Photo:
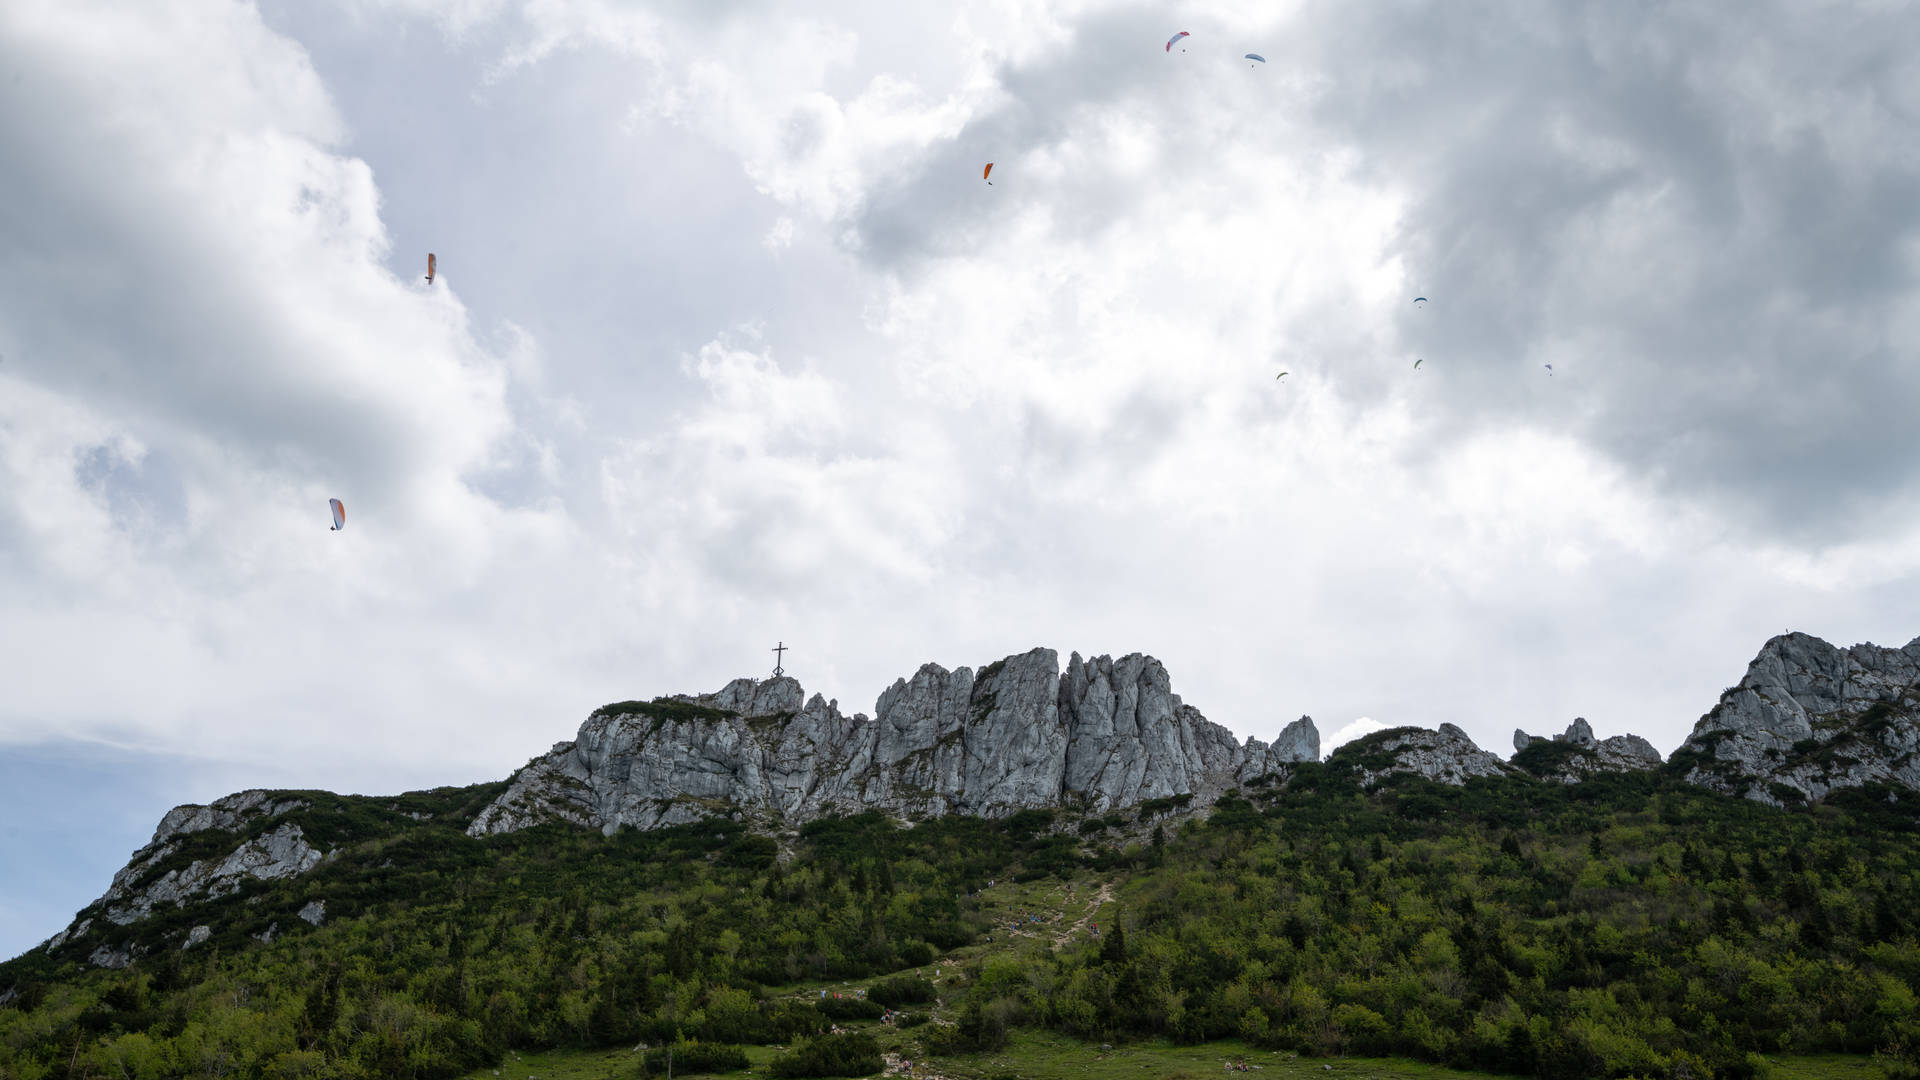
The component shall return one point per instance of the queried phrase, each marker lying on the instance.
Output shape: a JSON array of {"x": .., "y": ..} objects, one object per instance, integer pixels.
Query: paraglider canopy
[
  {"x": 1282, "y": 375},
  {"x": 339, "y": 515},
  {"x": 1175, "y": 38},
  {"x": 1417, "y": 363},
  {"x": 1419, "y": 299},
  {"x": 429, "y": 267},
  {"x": 988, "y": 171},
  {"x": 1256, "y": 56}
]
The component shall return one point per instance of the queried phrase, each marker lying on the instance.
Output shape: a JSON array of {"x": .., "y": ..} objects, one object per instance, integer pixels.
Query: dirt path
[
  {"x": 1104, "y": 896},
  {"x": 922, "y": 1069}
]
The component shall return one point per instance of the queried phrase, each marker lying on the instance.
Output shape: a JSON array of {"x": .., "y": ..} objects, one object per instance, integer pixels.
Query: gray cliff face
[
  {"x": 1134, "y": 740},
  {"x": 280, "y": 853},
  {"x": 1585, "y": 755},
  {"x": 1020, "y": 734},
  {"x": 1446, "y": 755},
  {"x": 140, "y": 886},
  {"x": 1810, "y": 718},
  {"x": 1298, "y": 741}
]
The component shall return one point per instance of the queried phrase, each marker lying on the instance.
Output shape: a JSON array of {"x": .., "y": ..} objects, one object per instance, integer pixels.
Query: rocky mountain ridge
[
  {"x": 1808, "y": 719},
  {"x": 1022, "y": 734},
  {"x": 1575, "y": 754},
  {"x": 1101, "y": 735}
]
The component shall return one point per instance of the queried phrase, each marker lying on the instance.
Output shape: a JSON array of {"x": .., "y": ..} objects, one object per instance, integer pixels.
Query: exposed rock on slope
[
  {"x": 1021, "y": 734},
  {"x": 280, "y": 853},
  {"x": 1447, "y": 755},
  {"x": 1810, "y": 718},
  {"x": 1576, "y": 754}
]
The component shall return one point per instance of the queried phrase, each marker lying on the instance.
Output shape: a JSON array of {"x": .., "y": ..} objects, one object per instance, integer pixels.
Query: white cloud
[
  {"x": 910, "y": 417},
  {"x": 1346, "y": 733}
]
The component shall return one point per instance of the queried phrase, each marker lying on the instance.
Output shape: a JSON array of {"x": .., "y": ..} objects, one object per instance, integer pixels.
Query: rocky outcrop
[
  {"x": 111, "y": 958},
  {"x": 280, "y": 853},
  {"x": 226, "y": 814},
  {"x": 1298, "y": 741},
  {"x": 1020, "y": 734},
  {"x": 1575, "y": 754},
  {"x": 1810, "y": 718},
  {"x": 1446, "y": 755},
  {"x": 135, "y": 890},
  {"x": 160, "y": 873}
]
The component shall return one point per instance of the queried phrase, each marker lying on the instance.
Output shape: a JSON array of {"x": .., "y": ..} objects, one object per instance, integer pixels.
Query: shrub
[
  {"x": 692, "y": 1056},
  {"x": 831, "y": 1055},
  {"x": 788, "y": 1019},
  {"x": 903, "y": 990},
  {"x": 850, "y": 1008},
  {"x": 980, "y": 1029}
]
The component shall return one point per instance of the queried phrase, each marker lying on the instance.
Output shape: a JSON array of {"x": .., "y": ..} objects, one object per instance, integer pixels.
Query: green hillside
[{"x": 1626, "y": 926}]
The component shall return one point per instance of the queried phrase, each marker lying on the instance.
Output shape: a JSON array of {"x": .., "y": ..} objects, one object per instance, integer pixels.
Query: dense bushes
[
  {"x": 690, "y": 1056},
  {"x": 902, "y": 990},
  {"x": 1624, "y": 926},
  {"x": 831, "y": 1055}
]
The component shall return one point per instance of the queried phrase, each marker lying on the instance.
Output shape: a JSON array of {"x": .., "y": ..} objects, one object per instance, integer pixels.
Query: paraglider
[
  {"x": 987, "y": 172},
  {"x": 339, "y": 515},
  {"x": 1282, "y": 375},
  {"x": 1417, "y": 363},
  {"x": 429, "y": 267},
  {"x": 1256, "y": 56},
  {"x": 1549, "y": 369},
  {"x": 1175, "y": 38},
  {"x": 1419, "y": 299}
]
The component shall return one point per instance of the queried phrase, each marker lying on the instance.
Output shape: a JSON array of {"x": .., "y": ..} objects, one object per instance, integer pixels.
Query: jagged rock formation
[
  {"x": 1810, "y": 718},
  {"x": 1575, "y": 754},
  {"x": 111, "y": 958},
  {"x": 1446, "y": 755},
  {"x": 280, "y": 853},
  {"x": 1021, "y": 734},
  {"x": 1298, "y": 741}
]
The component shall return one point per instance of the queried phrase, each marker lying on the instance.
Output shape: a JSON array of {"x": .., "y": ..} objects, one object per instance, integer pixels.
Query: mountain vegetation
[{"x": 1628, "y": 925}]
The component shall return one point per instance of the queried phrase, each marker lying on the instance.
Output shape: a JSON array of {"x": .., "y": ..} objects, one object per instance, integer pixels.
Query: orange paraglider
[
  {"x": 429, "y": 267},
  {"x": 988, "y": 171}
]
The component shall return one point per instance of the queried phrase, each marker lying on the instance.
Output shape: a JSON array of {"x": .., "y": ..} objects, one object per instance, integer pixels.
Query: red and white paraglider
[
  {"x": 1175, "y": 38},
  {"x": 339, "y": 515}
]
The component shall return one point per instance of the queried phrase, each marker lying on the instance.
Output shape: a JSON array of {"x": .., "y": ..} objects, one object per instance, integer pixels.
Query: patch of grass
[
  {"x": 1046, "y": 1056},
  {"x": 1825, "y": 1067},
  {"x": 622, "y": 1063}
]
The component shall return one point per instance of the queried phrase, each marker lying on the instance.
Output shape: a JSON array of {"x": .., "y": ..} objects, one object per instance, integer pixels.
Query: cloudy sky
[{"x": 730, "y": 345}]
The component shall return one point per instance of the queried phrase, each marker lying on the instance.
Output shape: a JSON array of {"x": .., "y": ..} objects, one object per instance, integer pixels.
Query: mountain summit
[
  {"x": 1810, "y": 718},
  {"x": 1019, "y": 735}
]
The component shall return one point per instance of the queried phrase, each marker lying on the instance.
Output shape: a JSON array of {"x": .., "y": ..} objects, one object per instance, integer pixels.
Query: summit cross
[{"x": 777, "y": 651}]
